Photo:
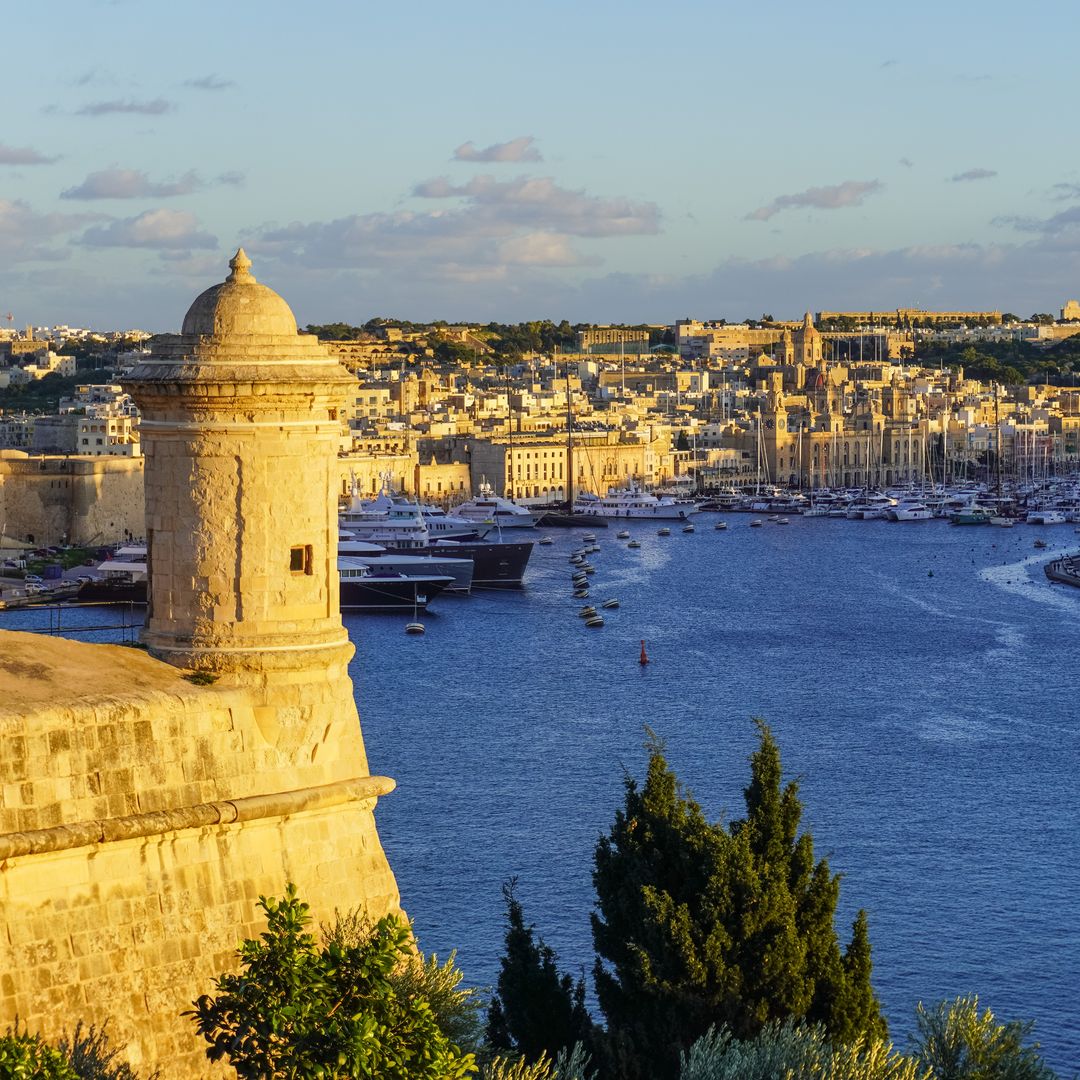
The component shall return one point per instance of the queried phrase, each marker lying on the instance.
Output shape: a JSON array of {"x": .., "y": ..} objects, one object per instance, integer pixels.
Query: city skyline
[{"x": 609, "y": 164}]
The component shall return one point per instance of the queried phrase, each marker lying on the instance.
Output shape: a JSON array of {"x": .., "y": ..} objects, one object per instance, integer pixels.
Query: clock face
[{"x": 769, "y": 424}]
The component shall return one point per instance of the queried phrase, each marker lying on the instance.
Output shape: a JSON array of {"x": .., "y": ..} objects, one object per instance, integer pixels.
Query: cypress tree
[
  {"x": 699, "y": 925},
  {"x": 535, "y": 1010}
]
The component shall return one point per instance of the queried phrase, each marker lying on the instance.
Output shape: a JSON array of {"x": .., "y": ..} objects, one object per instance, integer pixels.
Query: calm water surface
[{"x": 921, "y": 682}]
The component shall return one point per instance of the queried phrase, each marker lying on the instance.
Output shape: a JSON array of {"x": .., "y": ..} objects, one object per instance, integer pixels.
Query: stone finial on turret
[{"x": 240, "y": 265}]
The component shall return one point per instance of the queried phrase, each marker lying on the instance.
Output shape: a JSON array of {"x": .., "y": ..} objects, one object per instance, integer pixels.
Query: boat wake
[{"x": 1016, "y": 578}]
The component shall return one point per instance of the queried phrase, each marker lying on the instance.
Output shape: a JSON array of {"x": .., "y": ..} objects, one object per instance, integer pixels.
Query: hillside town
[{"x": 838, "y": 399}]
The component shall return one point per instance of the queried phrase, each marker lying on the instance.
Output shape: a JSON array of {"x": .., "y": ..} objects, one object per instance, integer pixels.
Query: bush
[
  {"x": 791, "y": 1051},
  {"x": 300, "y": 1010},
  {"x": 956, "y": 1043},
  {"x": 27, "y": 1057}
]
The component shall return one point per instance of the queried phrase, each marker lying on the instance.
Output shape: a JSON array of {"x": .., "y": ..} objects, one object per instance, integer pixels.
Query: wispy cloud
[
  {"x": 1065, "y": 223},
  {"x": 144, "y": 108},
  {"x": 538, "y": 202},
  {"x": 519, "y": 149},
  {"x": 23, "y": 155},
  {"x": 209, "y": 82},
  {"x": 130, "y": 184},
  {"x": 834, "y": 197},
  {"x": 907, "y": 162},
  {"x": 1065, "y": 192},
  {"x": 502, "y": 229},
  {"x": 158, "y": 229},
  {"x": 25, "y": 235},
  {"x": 972, "y": 174}
]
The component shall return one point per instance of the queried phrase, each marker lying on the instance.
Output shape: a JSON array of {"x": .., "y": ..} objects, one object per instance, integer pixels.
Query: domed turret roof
[{"x": 239, "y": 306}]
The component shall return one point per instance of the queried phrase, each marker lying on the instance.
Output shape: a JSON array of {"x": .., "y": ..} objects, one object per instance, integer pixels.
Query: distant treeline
[
  {"x": 507, "y": 341},
  {"x": 1009, "y": 362}
]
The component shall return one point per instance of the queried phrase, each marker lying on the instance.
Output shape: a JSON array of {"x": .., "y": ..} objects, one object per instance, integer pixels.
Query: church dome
[{"x": 239, "y": 306}]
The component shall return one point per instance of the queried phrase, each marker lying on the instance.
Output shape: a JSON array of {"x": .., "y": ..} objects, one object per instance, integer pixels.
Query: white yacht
[
  {"x": 380, "y": 559},
  {"x": 491, "y": 509},
  {"x": 910, "y": 509},
  {"x": 871, "y": 507},
  {"x": 632, "y": 502}
]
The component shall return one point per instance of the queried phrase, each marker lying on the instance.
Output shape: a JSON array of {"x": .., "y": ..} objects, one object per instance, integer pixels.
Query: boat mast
[
  {"x": 997, "y": 439},
  {"x": 569, "y": 437},
  {"x": 510, "y": 424}
]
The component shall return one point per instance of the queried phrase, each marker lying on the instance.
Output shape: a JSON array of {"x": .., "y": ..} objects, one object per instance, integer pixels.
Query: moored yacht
[
  {"x": 632, "y": 502},
  {"x": 491, "y": 509},
  {"x": 366, "y": 589}
]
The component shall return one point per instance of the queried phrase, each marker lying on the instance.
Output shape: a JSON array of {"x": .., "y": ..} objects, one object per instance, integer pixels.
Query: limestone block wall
[
  {"x": 134, "y": 930},
  {"x": 85, "y": 500},
  {"x": 140, "y": 818}
]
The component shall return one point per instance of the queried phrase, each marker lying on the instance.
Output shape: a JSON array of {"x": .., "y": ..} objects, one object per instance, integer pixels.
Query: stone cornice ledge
[{"x": 201, "y": 815}]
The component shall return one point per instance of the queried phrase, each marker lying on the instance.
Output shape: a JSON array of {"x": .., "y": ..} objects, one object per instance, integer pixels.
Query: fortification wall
[
  {"x": 141, "y": 817},
  {"x": 83, "y": 500}
]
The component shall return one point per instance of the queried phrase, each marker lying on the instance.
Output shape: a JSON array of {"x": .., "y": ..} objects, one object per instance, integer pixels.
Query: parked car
[{"x": 32, "y": 579}]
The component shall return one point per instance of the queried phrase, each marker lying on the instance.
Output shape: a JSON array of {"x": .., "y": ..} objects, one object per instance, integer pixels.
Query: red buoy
[{"x": 644, "y": 656}]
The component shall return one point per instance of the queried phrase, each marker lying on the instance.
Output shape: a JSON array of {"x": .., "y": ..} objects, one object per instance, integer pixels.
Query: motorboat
[
  {"x": 663, "y": 532},
  {"x": 488, "y": 508},
  {"x": 632, "y": 502},
  {"x": 971, "y": 515},
  {"x": 871, "y": 507},
  {"x": 1045, "y": 517},
  {"x": 910, "y": 510}
]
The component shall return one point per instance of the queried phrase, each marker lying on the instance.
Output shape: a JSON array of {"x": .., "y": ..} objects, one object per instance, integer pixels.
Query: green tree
[
  {"x": 28, "y": 1057},
  {"x": 297, "y": 1010},
  {"x": 682, "y": 442},
  {"x": 699, "y": 925},
  {"x": 535, "y": 1009},
  {"x": 956, "y": 1042}
]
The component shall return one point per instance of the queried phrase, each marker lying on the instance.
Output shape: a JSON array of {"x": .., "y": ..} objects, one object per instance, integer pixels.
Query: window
[{"x": 300, "y": 560}]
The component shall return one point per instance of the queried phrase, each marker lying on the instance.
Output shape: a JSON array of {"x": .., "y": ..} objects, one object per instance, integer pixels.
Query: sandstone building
[{"x": 147, "y": 800}]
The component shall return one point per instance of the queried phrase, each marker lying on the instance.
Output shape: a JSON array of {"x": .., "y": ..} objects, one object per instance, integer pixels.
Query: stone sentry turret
[
  {"x": 240, "y": 432},
  {"x": 142, "y": 812}
]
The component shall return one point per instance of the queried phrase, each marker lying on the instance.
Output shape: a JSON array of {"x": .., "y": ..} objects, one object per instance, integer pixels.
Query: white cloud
[
  {"x": 25, "y": 236},
  {"x": 519, "y": 149},
  {"x": 834, "y": 197},
  {"x": 538, "y": 202},
  {"x": 23, "y": 155},
  {"x": 130, "y": 184},
  {"x": 498, "y": 231},
  {"x": 158, "y": 229}
]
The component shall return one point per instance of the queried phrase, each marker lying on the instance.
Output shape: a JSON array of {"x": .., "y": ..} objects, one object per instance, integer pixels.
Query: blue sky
[{"x": 594, "y": 161}]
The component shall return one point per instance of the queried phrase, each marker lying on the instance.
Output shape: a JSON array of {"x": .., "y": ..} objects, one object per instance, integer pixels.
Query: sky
[{"x": 596, "y": 161}]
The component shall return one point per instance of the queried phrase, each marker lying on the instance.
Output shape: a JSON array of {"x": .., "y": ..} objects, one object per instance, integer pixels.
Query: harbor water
[{"x": 921, "y": 680}]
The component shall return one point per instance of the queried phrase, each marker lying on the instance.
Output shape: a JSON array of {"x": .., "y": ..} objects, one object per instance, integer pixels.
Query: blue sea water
[{"x": 921, "y": 680}]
